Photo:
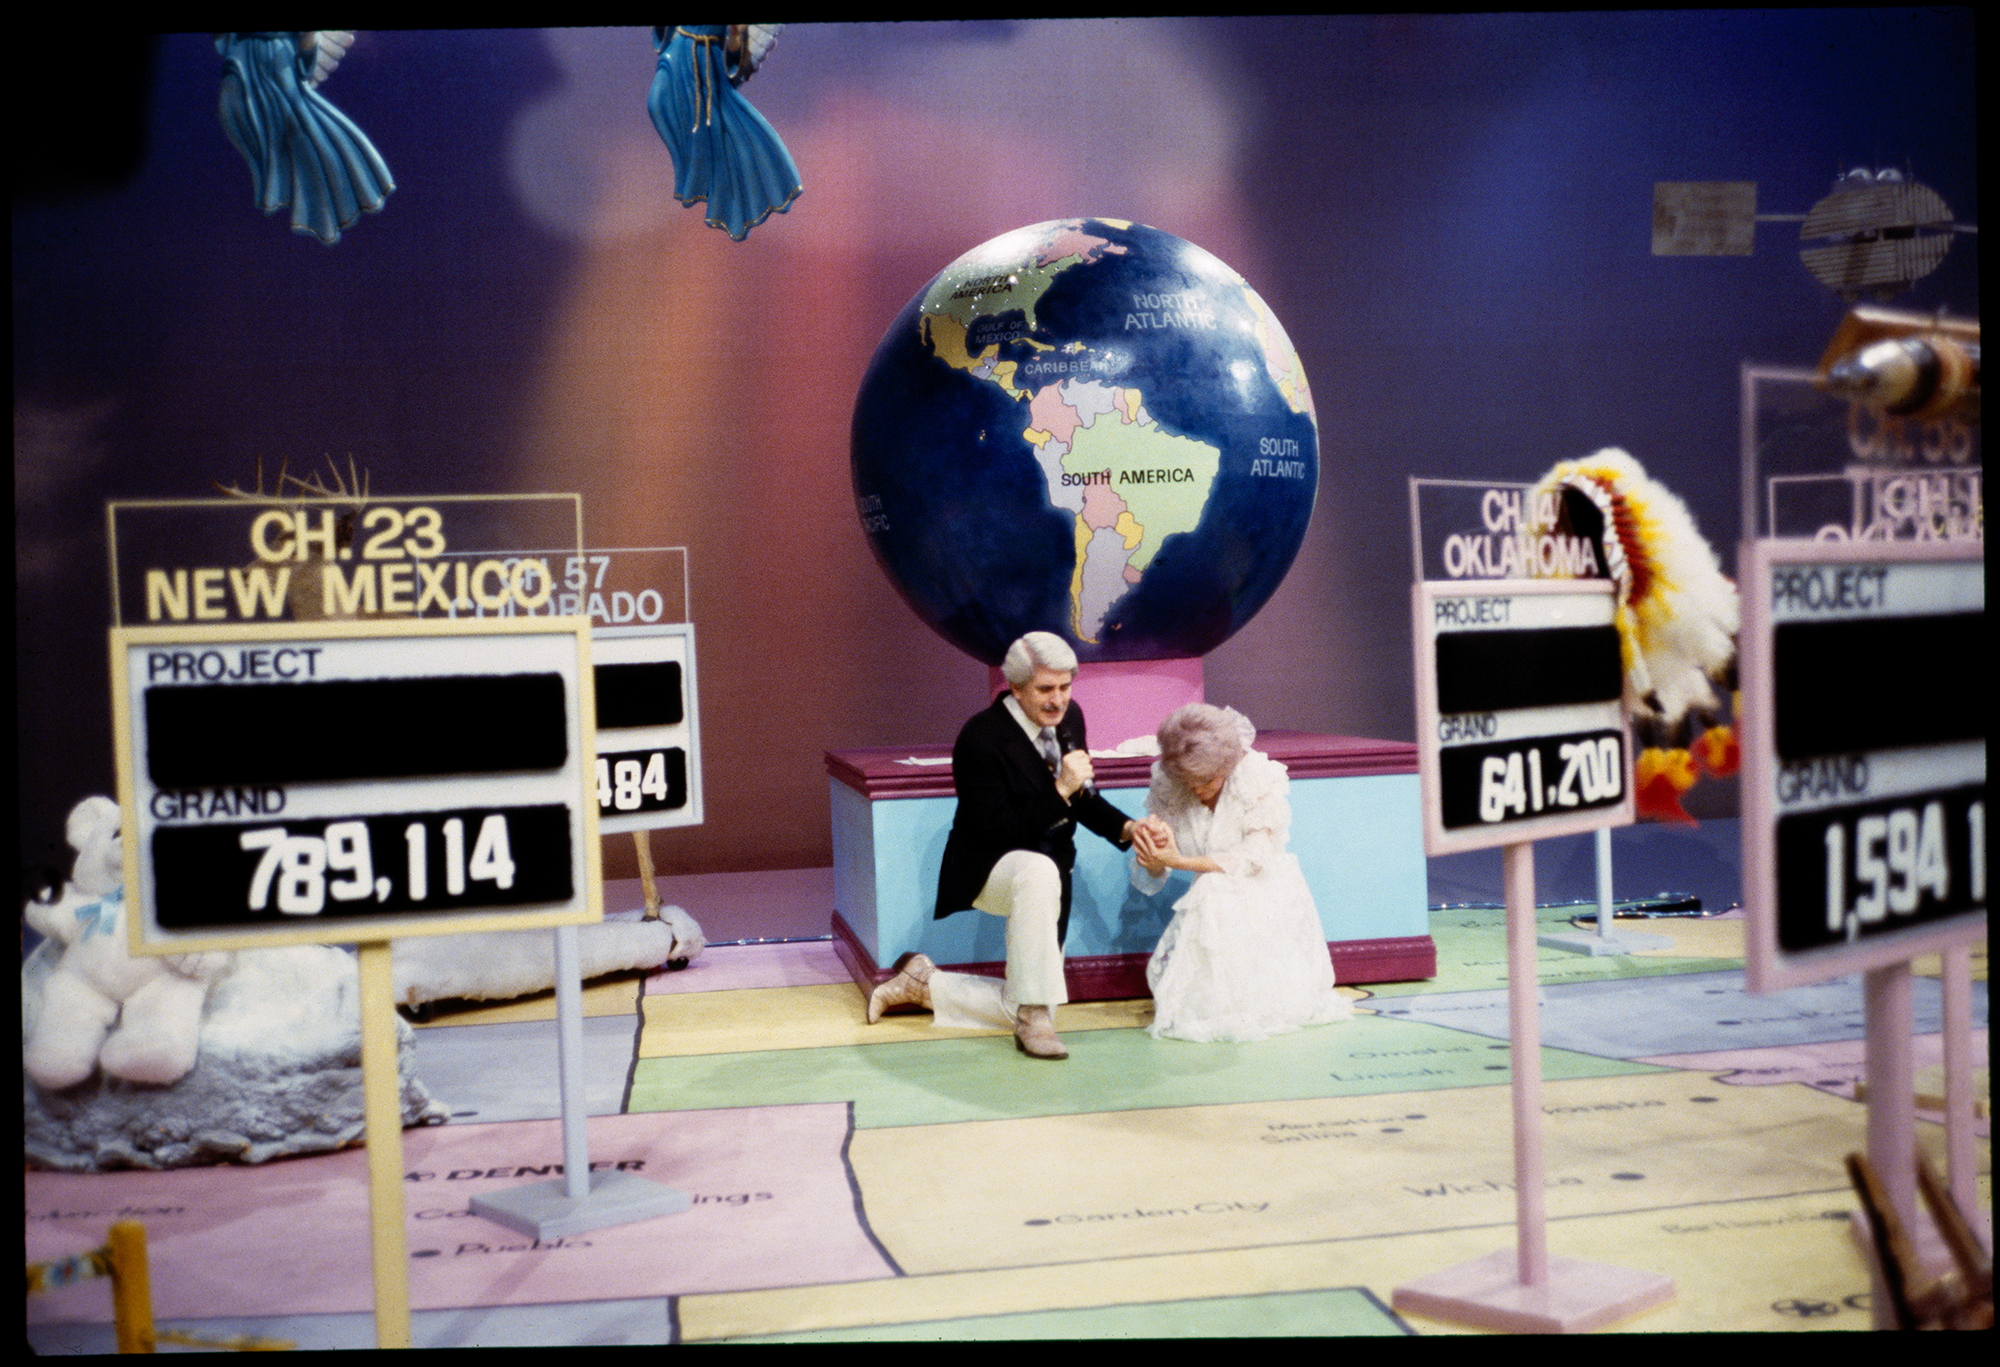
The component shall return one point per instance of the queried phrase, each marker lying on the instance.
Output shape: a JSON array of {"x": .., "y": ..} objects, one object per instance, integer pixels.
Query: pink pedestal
[
  {"x": 1577, "y": 1297},
  {"x": 1524, "y": 1290},
  {"x": 1125, "y": 700}
]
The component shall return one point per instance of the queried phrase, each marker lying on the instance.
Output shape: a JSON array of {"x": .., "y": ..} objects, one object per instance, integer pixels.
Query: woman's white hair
[
  {"x": 1201, "y": 741},
  {"x": 1036, "y": 650}
]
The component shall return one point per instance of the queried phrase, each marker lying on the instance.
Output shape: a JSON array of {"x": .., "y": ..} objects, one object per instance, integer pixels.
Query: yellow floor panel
[
  {"x": 1693, "y": 938},
  {"x": 1932, "y": 966},
  {"x": 680, "y": 1025},
  {"x": 1736, "y": 1194},
  {"x": 1258, "y": 1174},
  {"x": 1779, "y": 1264},
  {"x": 963, "y": 1295}
]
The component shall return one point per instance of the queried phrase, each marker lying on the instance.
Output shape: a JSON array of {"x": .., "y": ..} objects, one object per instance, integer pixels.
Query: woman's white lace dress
[{"x": 1244, "y": 957}]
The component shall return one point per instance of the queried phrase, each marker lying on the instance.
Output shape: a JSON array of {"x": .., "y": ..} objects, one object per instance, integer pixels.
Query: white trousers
[{"x": 1026, "y": 889}]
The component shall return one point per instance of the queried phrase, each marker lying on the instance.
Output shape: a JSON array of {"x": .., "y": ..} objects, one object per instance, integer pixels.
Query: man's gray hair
[{"x": 1036, "y": 650}]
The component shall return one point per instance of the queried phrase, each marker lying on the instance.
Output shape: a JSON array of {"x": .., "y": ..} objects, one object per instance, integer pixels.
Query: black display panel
[
  {"x": 276, "y": 871},
  {"x": 1539, "y": 775},
  {"x": 639, "y": 781},
  {"x": 1878, "y": 683},
  {"x": 1863, "y": 869},
  {"x": 643, "y": 694},
  {"x": 222, "y": 735},
  {"x": 1497, "y": 671}
]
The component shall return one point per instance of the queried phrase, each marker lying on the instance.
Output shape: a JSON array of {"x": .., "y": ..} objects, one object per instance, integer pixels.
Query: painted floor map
[{"x": 892, "y": 1182}]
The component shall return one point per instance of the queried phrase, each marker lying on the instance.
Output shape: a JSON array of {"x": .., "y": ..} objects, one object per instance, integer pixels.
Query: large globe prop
[{"x": 1088, "y": 427}]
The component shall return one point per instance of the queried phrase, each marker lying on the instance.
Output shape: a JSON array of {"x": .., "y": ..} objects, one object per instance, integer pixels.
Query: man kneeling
[{"x": 1023, "y": 775}]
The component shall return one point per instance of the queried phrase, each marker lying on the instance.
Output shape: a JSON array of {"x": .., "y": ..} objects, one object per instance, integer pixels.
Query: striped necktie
[{"x": 1051, "y": 753}]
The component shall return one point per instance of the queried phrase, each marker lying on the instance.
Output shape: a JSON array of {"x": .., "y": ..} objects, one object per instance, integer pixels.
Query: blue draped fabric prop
[
  {"x": 724, "y": 151},
  {"x": 302, "y": 151}
]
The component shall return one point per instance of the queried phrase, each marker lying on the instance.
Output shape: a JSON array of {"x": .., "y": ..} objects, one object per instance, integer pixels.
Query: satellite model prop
[
  {"x": 1909, "y": 365},
  {"x": 1876, "y": 233}
]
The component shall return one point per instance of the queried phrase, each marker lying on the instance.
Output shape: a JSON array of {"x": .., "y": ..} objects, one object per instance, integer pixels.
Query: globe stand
[{"x": 1126, "y": 700}]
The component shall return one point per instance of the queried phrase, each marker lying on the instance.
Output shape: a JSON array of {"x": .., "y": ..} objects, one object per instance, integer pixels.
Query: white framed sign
[
  {"x": 342, "y": 782},
  {"x": 648, "y": 771},
  {"x": 1521, "y": 726},
  {"x": 1864, "y": 755}
]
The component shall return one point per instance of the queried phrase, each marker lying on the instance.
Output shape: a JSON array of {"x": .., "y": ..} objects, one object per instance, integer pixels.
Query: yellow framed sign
[{"x": 340, "y": 782}]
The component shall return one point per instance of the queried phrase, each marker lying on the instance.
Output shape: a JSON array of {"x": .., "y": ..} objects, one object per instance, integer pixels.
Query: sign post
[
  {"x": 1864, "y": 756},
  {"x": 1523, "y": 736},
  {"x": 1467, "y": 531},
  {"x": 379, "y": 780},
  {"x": 646, "y": 774}
]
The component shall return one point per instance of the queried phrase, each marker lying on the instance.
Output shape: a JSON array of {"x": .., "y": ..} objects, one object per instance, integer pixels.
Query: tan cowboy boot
[
  {"x": 910, "y": 987},
  {"x": 1035, "y": 1033}
]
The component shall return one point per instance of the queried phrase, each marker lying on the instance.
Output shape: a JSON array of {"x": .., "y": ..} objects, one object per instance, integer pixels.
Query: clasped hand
[{"x": 1153, "y": 843}]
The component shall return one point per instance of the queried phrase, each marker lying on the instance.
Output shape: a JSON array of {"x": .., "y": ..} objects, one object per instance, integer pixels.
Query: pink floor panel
[
  {"x": 1834, "y": 1066},
  {"x": 730, "y": 968},
  {"x": 774, "y": 1206}
]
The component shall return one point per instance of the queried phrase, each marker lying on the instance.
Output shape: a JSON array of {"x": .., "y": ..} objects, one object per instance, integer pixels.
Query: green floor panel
[
  {"x": 949, "y": 1080},
  {"x": 1346, "y": 1313},
  {"x": 1472, "y": 954}
]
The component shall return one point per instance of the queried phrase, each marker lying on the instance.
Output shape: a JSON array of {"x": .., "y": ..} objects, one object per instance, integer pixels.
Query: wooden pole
[
  {"x": 131, "y": 1288},
  {"x": 382, "y": 1111},
  {"x": 644, "y": 845}
]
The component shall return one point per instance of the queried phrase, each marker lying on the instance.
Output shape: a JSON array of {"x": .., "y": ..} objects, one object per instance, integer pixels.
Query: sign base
[
  {"x": 545, "y": 1209},
  {"x": 1579, "y": 1296},
  {"x": 1595, "y": 944}
]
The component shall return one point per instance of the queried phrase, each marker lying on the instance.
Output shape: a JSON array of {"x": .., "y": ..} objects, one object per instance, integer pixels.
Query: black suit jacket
[{"x": 1007, "y": 800}]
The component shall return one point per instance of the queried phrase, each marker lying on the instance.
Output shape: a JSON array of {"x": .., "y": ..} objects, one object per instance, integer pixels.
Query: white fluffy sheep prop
[{"x": 497, "y": 965}]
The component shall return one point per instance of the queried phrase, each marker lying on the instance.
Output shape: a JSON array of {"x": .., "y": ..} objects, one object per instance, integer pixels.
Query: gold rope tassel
[
  {"x": 123, "y": 1260},
  {"x": 704, "y": 104}
]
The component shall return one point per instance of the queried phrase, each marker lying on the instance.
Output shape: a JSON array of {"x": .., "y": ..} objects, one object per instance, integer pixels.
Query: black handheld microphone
[{"x": 1067, "y": 743}]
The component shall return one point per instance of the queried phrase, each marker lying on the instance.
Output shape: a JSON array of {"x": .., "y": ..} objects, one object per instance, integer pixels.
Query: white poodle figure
[{"x": 137, "y": 1017}]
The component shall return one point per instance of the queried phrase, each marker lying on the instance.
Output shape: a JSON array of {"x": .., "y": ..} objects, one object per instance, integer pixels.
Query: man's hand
[{"x": 1075, "y": 775}]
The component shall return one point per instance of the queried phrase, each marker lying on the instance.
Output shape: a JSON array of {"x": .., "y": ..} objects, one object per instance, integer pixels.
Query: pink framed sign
[
  {"x": 1864, "y": 755},
  {"x": 1521, "y": 726}
]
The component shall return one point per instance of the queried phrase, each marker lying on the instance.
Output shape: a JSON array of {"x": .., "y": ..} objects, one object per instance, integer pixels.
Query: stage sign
[
  {"x": 1521, "y": 729},
  {"x": 338, "y": 782},
  {"x": 1864, "y": 755},
  {"x": 648, "y": 759},
  {"x": 648, "y": 753}
]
